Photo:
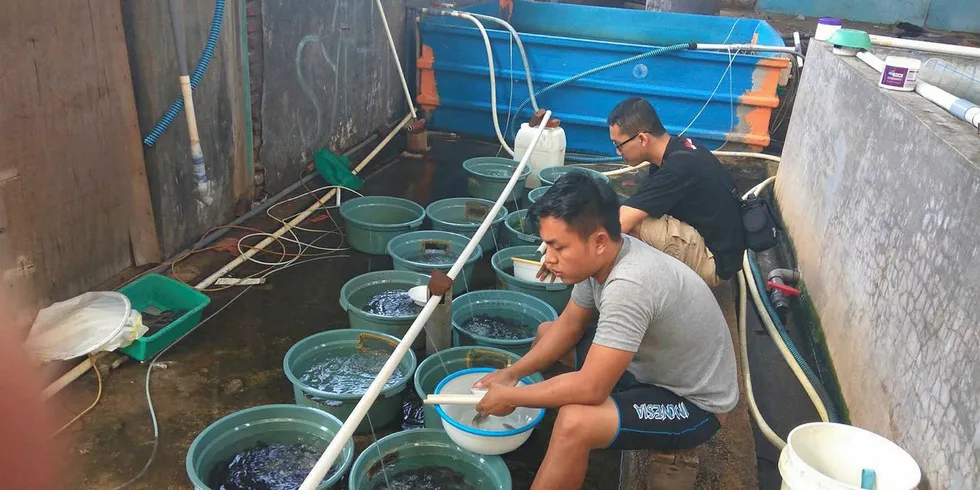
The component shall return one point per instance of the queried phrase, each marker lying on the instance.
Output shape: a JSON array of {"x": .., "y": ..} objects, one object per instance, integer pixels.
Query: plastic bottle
[{"x": 550, "y": 151}]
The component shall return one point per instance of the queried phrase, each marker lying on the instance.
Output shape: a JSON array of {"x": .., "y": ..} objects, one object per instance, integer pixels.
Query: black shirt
[{"x": 692, "y": 186}]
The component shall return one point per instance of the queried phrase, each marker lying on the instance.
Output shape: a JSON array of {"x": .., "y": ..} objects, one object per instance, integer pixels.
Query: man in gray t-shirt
[{"x": 655, "y": 370}]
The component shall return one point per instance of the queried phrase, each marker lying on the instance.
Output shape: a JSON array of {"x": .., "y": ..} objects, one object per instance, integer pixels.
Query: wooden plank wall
[
  {"x": 329, "y": 79},
  {"x": 72, "y": 189},
  {"x": 220, "y": 104}
]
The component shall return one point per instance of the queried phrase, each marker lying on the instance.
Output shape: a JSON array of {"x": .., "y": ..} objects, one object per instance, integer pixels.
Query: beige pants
[{"x": 682, "y": 242}]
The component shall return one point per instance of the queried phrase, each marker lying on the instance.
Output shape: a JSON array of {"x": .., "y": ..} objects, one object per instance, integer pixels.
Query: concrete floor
[{"x": 234, "y": 361}]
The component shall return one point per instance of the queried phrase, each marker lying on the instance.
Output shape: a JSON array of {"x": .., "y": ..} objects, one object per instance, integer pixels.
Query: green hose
[{"x": 784, "y": 334}]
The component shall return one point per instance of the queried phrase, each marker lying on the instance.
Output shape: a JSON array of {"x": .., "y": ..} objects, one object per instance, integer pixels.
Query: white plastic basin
[{"x": 495, "y": 435}]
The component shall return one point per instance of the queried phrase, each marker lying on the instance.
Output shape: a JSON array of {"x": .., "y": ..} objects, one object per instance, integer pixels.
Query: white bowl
[
  {"x": 419, "y": 294},
  {"x": 527, "y": 270},
  {"x": 491, "y": 437}
]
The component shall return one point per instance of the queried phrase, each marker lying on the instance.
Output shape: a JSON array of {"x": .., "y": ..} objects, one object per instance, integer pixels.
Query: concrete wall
[
  {"x": 318, "y": 74},
  {"x": 328, "y": 80},
  {"x": 219, "y": 102},
  {"x": 880, "y": 192},
  {"x": 951, "y": 15}
]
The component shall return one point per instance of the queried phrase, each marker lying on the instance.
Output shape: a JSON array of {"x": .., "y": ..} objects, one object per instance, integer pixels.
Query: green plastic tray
[{"x": 163, "y": 293}]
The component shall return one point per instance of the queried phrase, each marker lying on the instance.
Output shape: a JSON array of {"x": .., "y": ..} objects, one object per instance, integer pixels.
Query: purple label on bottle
[{"x": 894, "y": 76}]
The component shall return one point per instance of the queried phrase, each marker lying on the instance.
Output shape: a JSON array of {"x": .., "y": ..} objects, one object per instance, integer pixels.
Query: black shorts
[{"x": 651, "y": 417}]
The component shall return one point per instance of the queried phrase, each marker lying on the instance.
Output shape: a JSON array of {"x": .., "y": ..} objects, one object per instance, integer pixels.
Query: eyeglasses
[{"x": 621, "y": 145}]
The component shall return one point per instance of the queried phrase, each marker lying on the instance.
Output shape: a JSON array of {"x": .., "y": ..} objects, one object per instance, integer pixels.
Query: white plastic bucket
[
  {"x": 549, "y": 152},
  {"x": 827, "y": 456}
]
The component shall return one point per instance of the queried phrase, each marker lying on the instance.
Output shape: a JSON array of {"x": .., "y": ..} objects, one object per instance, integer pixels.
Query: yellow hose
[
  {"x": 747, "y": 276},
  {"x": 753, "y": 407}
]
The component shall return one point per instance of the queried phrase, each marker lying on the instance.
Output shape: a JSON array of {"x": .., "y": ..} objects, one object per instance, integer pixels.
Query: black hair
[
  {"x": 634, "y": 116},
  {"x": 583, "y": 202}
]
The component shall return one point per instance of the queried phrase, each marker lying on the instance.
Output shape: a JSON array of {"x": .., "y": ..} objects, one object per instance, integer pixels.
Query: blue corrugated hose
[
  {"x": 807, "y": 370},
  {"x": 196, "y": 76},
  {"x": 633, "y": 59}
]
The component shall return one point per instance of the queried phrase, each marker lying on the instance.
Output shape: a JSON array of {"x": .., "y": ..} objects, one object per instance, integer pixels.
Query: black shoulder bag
[{"x": 758, "y": 221}]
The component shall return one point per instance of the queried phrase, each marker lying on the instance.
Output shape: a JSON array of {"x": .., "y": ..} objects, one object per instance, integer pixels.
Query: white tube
[
  {"x": 241, "y": 259},
  {"x": 747, "y": 154},
  {"x": 333, "y": 450},
  {"x": 747, "y": 374},
  {"x": 520, "y": 48},
  {"x": 961, "y": 108},
  {"x": 493, "y": 77},
  {"x": 893, "y": 42},
  {"x": 398, "y": 63}
]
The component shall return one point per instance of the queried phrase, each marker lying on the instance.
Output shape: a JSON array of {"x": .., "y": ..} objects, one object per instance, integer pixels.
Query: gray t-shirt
[{"x": 654, "y": 305}]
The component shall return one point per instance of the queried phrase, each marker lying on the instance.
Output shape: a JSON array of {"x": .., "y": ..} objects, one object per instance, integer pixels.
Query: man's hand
[
  {"x": 496, "y": 402},
  {"x": 544, "y": 272},
  {"x": 505, "y": 377},
  {"x": 439, "y": 283}
]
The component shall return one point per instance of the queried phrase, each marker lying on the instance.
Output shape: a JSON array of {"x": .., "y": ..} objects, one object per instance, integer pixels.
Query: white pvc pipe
[
  {"x": 302, "y": 216},
  {"x": 493, "y": 77},
  {"x": 894, "y": 42},
  {"x": 343, "y": 435},
  {"x": 520, "y": 48},
  {"x": 398, "y": 63},
  {"x": 961, "y": 108}
]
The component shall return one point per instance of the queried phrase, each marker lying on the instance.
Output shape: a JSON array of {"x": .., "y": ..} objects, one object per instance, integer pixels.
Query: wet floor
[{"x": 234, "y": 361}]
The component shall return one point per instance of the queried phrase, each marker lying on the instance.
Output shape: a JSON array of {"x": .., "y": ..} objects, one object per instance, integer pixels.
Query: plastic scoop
[{"x": 419, "y": 294}]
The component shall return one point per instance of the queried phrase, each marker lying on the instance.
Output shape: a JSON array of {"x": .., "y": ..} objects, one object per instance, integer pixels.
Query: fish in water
[
  {"x": 495, "y": 327},
  {"x": 351, "y": 374},
  {"x": 395, "y": 302},
  {"x": 267, "y": 467},
  {"x": 434, "y": 256},
  {"x": 426, "y": 478}
]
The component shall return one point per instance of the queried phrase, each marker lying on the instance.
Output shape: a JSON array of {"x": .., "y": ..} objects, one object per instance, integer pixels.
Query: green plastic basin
[
  {"x": 519, "y": 233},
  {"x": 443, "y": 363},
  {"x": 356, "y": 293},
  {"x": 536, "y": 193},
  {"x": 488, "y": 176},
  {"x": 404, "y": 248},
  {"x": 420, "y": 448},
  {"x": 464, "y": 215},
  {"x": 324, "y": 346},
  {"x": 550, "y": 175},
  {"x": 555, "y": 294},
  {"x": 511, "y": 305},
  {"x": 270, "y": 424},
  {"x": 371, "y": 221}
]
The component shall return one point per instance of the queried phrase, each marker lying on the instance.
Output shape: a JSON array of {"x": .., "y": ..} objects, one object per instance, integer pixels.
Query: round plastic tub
[
  {"x": 517, "y": 231},
  {"x": 535, "y": 194},
  {"x": 357, "y": 292},
  {"x": 510, "y": 305},
  {"x": 405, "y": 250},
  {"x": 833, "y": 456},
  {"x": 555, "y": 293},
  {"x": 371, "y": 221},
  {"x": 463, "y": 215},
  {"x": 270, "y": 424},
  {"x": 496, "y": 435},
  {"x": 488, "y": 176},
  {"x": 323, "y": 346},
  {"x": 424, "y": 448},
  {"x": 443, "y": 363},
  {"x": 551, "y": 175}
]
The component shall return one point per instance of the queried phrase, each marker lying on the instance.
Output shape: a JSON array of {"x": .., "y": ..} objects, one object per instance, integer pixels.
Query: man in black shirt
[{"x": 685, "y": 206}]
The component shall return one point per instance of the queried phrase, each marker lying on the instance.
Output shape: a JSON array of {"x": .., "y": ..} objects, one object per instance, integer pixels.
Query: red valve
[{"x": 787, "y": 290}]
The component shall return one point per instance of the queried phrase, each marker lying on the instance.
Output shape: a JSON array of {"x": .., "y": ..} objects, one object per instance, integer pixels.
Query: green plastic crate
[{"x": 163, "y": 293}]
